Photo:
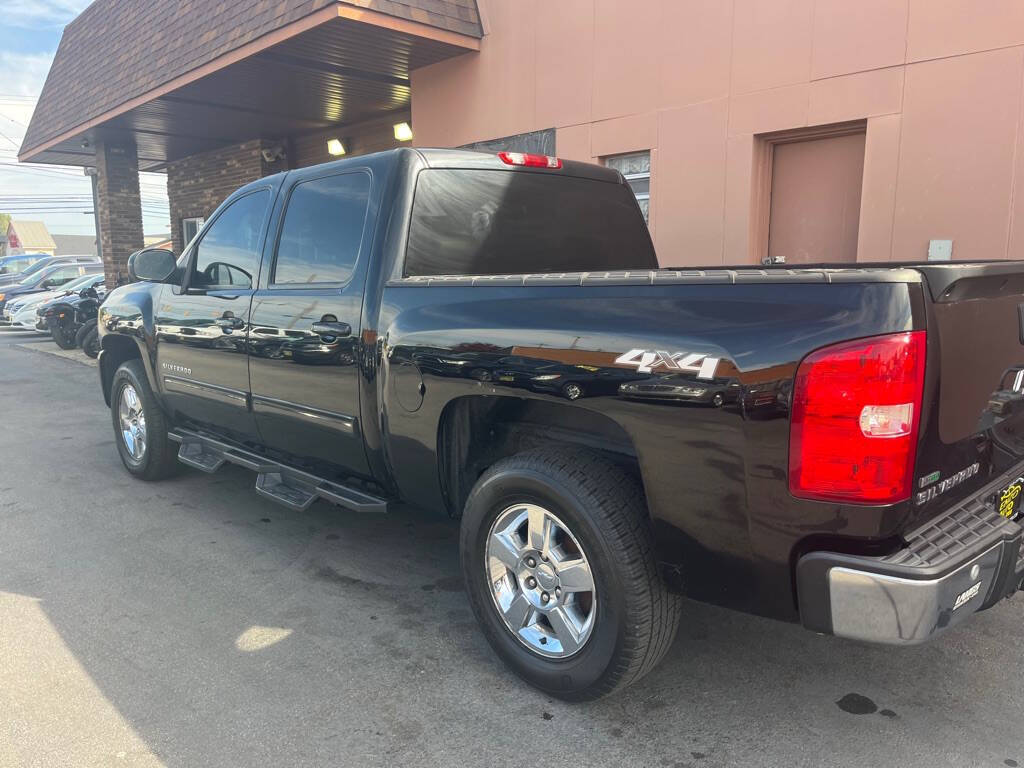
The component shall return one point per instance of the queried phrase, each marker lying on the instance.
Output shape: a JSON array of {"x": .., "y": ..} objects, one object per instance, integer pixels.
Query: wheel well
[
  {"x": 116, "y": 350},
  {"x": 478, "y": 431}
]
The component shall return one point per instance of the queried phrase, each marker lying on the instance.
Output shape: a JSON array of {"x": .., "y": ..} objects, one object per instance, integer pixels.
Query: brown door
[{"x": 815, "y": 202}]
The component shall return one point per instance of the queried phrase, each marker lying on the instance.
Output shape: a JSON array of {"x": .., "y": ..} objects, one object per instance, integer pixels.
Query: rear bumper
[{"x": 962, "y": 562}]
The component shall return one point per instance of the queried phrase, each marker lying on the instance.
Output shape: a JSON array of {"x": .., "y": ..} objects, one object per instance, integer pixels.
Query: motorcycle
[{"x": 70, "y": 318}]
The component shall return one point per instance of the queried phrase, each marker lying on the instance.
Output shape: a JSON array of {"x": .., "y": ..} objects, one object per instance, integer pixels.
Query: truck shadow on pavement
[{"x": 227, "y": 630}]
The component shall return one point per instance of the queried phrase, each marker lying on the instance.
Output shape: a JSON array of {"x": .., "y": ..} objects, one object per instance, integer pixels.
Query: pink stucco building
[
  {"x": 796, "y": 130},
  {"x": 800, "y": 128}
]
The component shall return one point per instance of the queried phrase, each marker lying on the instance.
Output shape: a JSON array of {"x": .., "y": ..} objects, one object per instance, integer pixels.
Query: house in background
[
  {"x": 29, "y": 237},
  {"x": 164, "y": 241},
  {"x": 75, "y": 245}
]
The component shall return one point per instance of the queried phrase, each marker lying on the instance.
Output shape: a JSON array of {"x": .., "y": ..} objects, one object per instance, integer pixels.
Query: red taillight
[
  {"x": 853, "y": 428},
  {"x": 530, "y": 161}
]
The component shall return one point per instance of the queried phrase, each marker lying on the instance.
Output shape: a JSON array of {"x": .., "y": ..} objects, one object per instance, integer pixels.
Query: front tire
[
  {"x": 63, "y": 334},
  {"x": 140, "y": 427},
  {"x": 608, "y": 618}
]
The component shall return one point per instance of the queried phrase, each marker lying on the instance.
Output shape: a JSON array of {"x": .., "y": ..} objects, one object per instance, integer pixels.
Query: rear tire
[
  {"x": 87, "y": 339},
  {"x": 628, "y": 619},
  {"x": 146, "y": 452}
]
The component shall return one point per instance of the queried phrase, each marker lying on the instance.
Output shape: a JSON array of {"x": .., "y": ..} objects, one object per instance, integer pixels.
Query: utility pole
[{"x": 92, "y": 174}]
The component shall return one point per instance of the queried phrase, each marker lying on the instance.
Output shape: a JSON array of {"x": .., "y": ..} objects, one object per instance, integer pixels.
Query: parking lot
[{"x": 192, "y": 622}]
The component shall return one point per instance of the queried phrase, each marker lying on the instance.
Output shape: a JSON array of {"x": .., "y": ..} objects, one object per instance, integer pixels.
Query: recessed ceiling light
[{"x": 403, "y": 132}]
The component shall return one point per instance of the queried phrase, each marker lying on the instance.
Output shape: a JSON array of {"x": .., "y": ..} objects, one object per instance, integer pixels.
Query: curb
[{"x": 49, "y": 348}]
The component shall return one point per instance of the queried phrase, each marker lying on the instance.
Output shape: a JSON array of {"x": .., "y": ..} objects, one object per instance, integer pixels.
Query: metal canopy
[{"x": 336, "y": 74}]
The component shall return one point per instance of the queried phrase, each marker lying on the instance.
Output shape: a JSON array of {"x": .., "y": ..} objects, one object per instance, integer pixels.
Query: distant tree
[{"x": 5, "y": 219}]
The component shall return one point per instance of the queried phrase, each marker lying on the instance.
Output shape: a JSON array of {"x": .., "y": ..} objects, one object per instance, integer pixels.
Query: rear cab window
[{"x": 492, "y": 222}]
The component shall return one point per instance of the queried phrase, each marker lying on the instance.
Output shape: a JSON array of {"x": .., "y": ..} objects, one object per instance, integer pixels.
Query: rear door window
[
  {"x": 322, "y": 231},
  {"x": 474, "y": 222}
]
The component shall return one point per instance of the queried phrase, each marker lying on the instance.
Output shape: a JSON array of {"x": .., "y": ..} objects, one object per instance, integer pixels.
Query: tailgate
[{"x": 973, "y": 424}]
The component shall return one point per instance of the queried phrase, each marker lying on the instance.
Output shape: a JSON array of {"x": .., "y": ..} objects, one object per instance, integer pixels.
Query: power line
[
  {"x": 67, "y": 173},
  {"x": 12, "y": 120},
  {"x": 14, "y": 144},
  {"x": 15, "y": 199}
]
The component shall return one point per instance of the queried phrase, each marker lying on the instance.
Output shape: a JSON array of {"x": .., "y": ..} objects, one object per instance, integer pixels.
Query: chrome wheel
[
  {"x": 540, "y": 581},
  {"x": 133, "y": 422},
  {"x": 573, "y": 391}
]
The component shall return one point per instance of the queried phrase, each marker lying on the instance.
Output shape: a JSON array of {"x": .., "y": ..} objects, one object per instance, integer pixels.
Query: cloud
[
  {"x": 23, "y": 74},
  {"x": 33, "y": 13}
]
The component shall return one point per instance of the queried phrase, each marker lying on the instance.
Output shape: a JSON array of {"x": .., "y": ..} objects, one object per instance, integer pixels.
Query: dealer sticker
[{"x": 1008, "y": 500}]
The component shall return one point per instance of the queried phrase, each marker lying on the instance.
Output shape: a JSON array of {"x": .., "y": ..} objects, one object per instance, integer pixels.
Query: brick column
[{"x": 120, "y": 206}]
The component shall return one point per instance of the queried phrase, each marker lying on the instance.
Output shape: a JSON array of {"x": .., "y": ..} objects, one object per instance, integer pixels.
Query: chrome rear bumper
[{"x": 957, "y": 564}]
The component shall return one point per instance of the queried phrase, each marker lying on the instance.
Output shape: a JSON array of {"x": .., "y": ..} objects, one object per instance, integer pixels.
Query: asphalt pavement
[{"x": 194, "y": 623}]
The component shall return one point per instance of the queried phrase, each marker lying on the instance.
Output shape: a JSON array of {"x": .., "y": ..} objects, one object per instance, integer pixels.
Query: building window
[
  {"x": 636, "y": 167},
  {"x": 190, "y": 228}
]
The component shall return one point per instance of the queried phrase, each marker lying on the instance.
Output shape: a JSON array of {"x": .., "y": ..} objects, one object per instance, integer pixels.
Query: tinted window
[
  {"x": 497, "y": 222},
  {"x": 14, "y": 266},
  {"x": 228, "y": 255},
  {"x": 81, "y": 283},
  {"x": 36, "y": 266},
  {"x": 322, "y": 230},
  {"x": 62, "y": 275}
]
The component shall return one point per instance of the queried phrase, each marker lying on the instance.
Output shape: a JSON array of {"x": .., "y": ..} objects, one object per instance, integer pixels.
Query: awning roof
[{"x": 185, "y": 78}]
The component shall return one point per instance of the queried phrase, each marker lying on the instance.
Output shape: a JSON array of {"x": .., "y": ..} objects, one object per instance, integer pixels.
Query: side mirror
[{"x": 154, "y": 265}]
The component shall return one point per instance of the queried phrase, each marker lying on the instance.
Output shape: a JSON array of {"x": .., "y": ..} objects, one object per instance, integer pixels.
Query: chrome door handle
[
  {"x": 337, "y": 329},
  {"x": 230, "y": 323}
]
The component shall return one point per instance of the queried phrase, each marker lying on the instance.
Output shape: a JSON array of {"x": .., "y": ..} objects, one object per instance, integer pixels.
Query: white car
[
  {"x": 22, "y": 311},
  {"x": 26, "y": 318}
]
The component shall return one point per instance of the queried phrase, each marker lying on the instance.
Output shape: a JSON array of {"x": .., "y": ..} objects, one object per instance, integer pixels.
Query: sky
[{"x": 59, "y": 196}]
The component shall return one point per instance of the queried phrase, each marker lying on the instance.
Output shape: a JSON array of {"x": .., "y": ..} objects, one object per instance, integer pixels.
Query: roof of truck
[{"x": 465, "y": 158}]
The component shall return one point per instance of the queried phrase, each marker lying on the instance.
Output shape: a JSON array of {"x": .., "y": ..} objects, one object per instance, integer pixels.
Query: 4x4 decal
[{"x": 690, "y": 362}]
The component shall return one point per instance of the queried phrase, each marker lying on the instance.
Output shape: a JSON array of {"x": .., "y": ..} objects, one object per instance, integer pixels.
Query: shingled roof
[{"x": 119, "y": 50}]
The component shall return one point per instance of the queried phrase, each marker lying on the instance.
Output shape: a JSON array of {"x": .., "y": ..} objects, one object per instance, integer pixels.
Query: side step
[
  {"x": 194, "y": 455},
  {"x": 275, "y": 487},
  {"x": 294, "y": 488}
]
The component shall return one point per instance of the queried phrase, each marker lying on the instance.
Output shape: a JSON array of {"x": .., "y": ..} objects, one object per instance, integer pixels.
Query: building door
[
  {"x": 304, "y": 340},
  {"x": 815, "y": 199}
]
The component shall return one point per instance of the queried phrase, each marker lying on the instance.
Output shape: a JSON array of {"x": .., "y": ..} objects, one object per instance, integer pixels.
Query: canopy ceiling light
[
  {"x": 335, "y": 147},
  {"x": 403, "y": 132}
]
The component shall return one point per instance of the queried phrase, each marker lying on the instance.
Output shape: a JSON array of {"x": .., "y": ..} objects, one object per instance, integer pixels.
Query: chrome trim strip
[
  {"x": 205, "y": 388},
  {"x": 670, "y": 277},
  {"x": 342, "y": 421}
]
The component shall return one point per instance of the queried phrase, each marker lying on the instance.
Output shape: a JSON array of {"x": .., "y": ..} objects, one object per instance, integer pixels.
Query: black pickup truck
[{"x": 491, "y": 335}]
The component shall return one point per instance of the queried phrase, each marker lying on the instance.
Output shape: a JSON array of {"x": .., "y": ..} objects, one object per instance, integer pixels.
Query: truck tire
[
  {"x": 140, "y": 427},
  {"x": 558, "y": 560},
  {"x": 63, "y": 334}
]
